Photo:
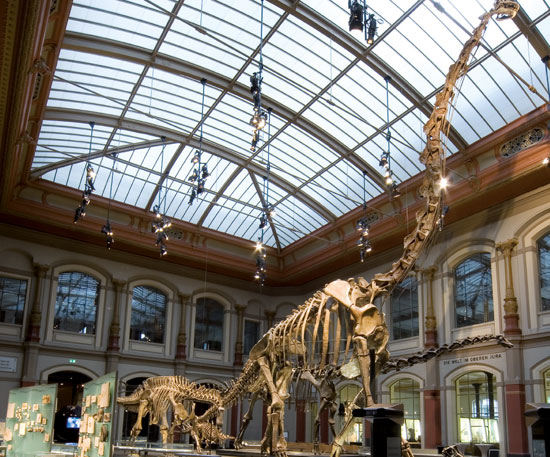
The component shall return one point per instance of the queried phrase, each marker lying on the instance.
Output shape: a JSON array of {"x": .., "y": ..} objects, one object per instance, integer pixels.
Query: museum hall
[{"x": 279, "y": 212}]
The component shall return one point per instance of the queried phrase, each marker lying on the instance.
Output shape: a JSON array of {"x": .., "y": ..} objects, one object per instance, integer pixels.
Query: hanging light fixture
[
  {"x": 360, "y": 22},
  {"x": 385, "y": 159},
  {"x": 88, "y": 183},
  {"x": 363, "y": 225},
  {"x": 267, "y": 214},
  {"x": 161, "y": 222},
  {"x": 106, "y": 229},
  {"x": 200, "y": 173},
  {"x": 259, "y": 116}
]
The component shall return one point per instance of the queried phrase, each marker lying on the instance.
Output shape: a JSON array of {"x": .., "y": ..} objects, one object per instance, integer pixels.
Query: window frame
[
  {"x": 416, "y": 417},
  {"x": 256, "y": 321},
  {"x": 63, "y": 337},
  {"x": 195, "y": 329},
  {"x": 392, "y": 304},
  {"x": 26, "y": 298},
  {"x": 454, "y": 284},
  {"x": 539, "y": 272},
  {"x": 135, "y": 346},
  {"x": 229, "y": 319},
  {"x": 165, "y": 317},
  {"x": 71, "y": 285}
]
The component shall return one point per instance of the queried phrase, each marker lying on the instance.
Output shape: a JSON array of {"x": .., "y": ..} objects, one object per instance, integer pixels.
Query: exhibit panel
[
  {"x": 97, "y": 417},
  {"x": 29, "y": 420}
]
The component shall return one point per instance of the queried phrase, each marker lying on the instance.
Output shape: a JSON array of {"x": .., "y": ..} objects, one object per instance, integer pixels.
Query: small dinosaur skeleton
[{"x": 156, "y": 395}]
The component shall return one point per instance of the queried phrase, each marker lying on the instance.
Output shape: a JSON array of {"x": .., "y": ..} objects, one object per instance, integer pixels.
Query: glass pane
[
  {"x": 13, "y": 293},
  {"x": 404, "y": 309},
  {"x": 76, "y": 303},
  {"x": 148, "y": 315},
  {"x": 477, "y": 408},
  {"x": 251, "y": 335},
  {"x": 543, "y": 246},
  {"x": 474, "y": 291},
  {"x": 407, "y": 392},
  {"x": 209, "y": 325}
]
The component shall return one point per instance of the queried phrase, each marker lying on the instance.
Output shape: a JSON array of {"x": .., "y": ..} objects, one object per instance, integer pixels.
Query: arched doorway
[{"x": 70, "y": 385}]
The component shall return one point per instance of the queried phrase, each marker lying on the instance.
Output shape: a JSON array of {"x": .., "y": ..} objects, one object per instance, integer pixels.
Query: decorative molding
[{"x": 521, "y": 142}]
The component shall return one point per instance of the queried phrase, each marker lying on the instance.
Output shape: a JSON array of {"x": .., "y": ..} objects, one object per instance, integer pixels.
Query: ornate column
[
  {"x": 114, "y": 329},
  {"x": 511, "y": 316},
  {"x": 33, "y": 329},
  {"x": 430, "y": 327},
  {"x": 239, "y": 341},
  {"x": 32, "y": 337},
  {"x": 432, "y": 392},
  {"x": 181, "y": 349},
  {"x": 269, "y": 316}
]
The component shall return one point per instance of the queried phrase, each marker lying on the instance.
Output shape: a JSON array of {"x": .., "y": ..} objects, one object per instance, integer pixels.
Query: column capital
[
  {"x": 429, "y": 272},
  {"x": 184, "y": 298},
  {"x": 40, "y": 269},
  {"x": 118, "y": 283},
  {"x": 240, "y": 308},
  {"x": 506, "y": 247}
]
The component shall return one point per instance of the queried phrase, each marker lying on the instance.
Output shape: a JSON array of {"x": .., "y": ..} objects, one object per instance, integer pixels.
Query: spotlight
[
  {"x": 395, "y": 193},
  {"x": 546, "y": 161},
  {"x": 205, "y": 173},
  {"x": 389, "y": 180},
  {"x": 383, "y": 161},
  {"x": 195, "y": 158},
  {"x": 372, "y": 29},
  {"x": 259, "y": 245},
  {"x": 443, "y": 182},
  {"x": 194, "y": 176},
  {"x": 90, "y": 172},
  {"x": 263, "y": 220},
  {"x": 356, "y": 17}
]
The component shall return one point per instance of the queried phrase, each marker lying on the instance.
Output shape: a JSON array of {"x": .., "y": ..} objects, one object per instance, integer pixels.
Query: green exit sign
[{"x": 72, "y": 360}]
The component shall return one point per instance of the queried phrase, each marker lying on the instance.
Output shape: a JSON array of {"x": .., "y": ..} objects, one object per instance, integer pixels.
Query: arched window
[
  {"x": 543, "y": 246},
  {"x": 148, "y": 317},
  {"x": 407, "y": 391},
  {"x": 404, "y": 309},
  {"x": 13, "y": 292},
  {"x": 355, "y": 434},
  {"x": 546, "y": 377},
  {"x": 477, "y": 408},
  {"x": 209, "y": 324},
  {"x": 474, "y": 290},
  {"x": 76, "y": 302}
]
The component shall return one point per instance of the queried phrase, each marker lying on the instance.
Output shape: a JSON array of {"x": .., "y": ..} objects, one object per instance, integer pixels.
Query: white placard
[{"x": 8, "y": 364}]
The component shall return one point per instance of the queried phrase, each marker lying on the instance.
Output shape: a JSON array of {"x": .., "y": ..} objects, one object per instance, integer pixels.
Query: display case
[{"x": 29, "y": 420}]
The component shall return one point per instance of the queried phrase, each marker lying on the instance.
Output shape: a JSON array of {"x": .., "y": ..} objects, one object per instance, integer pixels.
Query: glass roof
[{"x": 134, "y": 68}]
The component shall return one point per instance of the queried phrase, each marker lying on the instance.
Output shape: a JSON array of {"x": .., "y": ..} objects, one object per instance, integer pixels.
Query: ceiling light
[
  {"x": 546, "y": 161},
  {"x": 443, "y": 182},
  {"x": 356, "y": 17},
  {"x": 360, "y": 23}
]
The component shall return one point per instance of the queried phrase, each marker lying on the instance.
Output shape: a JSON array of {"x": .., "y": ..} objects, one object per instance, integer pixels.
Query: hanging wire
[
  {"x": 363, "y": 225},
  {"x": 259, "y": 116}
]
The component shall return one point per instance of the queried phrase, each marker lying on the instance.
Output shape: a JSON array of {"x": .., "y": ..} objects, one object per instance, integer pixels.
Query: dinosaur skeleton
[
  {"x": 350, "y": 304},
  {"x": 156, "y": 395},
  {"x": 311, "y": 336}
]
